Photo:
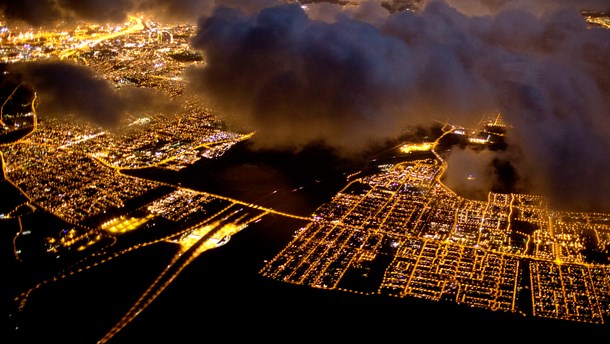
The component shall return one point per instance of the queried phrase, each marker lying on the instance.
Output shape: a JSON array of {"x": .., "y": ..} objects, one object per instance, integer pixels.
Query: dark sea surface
[{"x": 221, "y": 297}]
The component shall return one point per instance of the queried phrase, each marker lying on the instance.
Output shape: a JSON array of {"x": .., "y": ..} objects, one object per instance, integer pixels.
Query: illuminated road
[
  {"x": 3, "y": 166},
  {"x": 208, "y": 237},
  {"x": 235, "y": 201},
  {"x": 138, "y": 26},
  {"x": 6, "y": 101}
]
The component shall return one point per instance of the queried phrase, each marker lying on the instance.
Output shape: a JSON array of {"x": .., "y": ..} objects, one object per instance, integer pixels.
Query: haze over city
[{"x": 448, "y": 151}]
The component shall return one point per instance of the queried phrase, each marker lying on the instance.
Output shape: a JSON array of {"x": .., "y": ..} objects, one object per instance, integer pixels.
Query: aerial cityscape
[{"x": 304, "y": 169}]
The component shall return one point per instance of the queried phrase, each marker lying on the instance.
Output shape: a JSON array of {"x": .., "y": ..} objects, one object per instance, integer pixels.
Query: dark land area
[{"x": 220, "y": 296}]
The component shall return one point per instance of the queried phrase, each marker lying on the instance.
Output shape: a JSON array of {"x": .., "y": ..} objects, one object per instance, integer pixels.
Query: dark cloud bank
[
  {"x": 50, "y": 12},
  {"x": 66, "y": 88},
  {"x": 360, "y": 77},
  {"x": 353, "y": 76}
]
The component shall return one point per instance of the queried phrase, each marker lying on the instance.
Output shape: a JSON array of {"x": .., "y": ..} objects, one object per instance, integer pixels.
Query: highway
[
  {"x": 211, "y": 236},
  {"x": 137, "y": 26}
]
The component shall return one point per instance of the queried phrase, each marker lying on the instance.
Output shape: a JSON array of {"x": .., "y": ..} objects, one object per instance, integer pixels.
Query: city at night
[{"x": 371, "y": 170}]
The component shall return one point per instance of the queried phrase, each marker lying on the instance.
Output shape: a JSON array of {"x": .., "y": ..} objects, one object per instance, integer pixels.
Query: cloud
[
  {"x": 43, "y": 12},
  {"x": 351, "y": 82},
  {"x": 491, "y": 7},
  {"x": 49, "y": 12},
  {"x": 469, "y": 173},
  {"x": 354, "y": 76},
  {"x": 363, "y": 10},
  {"x": 473, "y": 173},
  {"x": 191, "y": 10},
  {"x": 295, "y": 80},
  {"x": 66, "y": 88}
]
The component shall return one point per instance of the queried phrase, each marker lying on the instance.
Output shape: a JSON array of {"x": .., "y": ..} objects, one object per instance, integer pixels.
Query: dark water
[{"x": 293, "y": 182}]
